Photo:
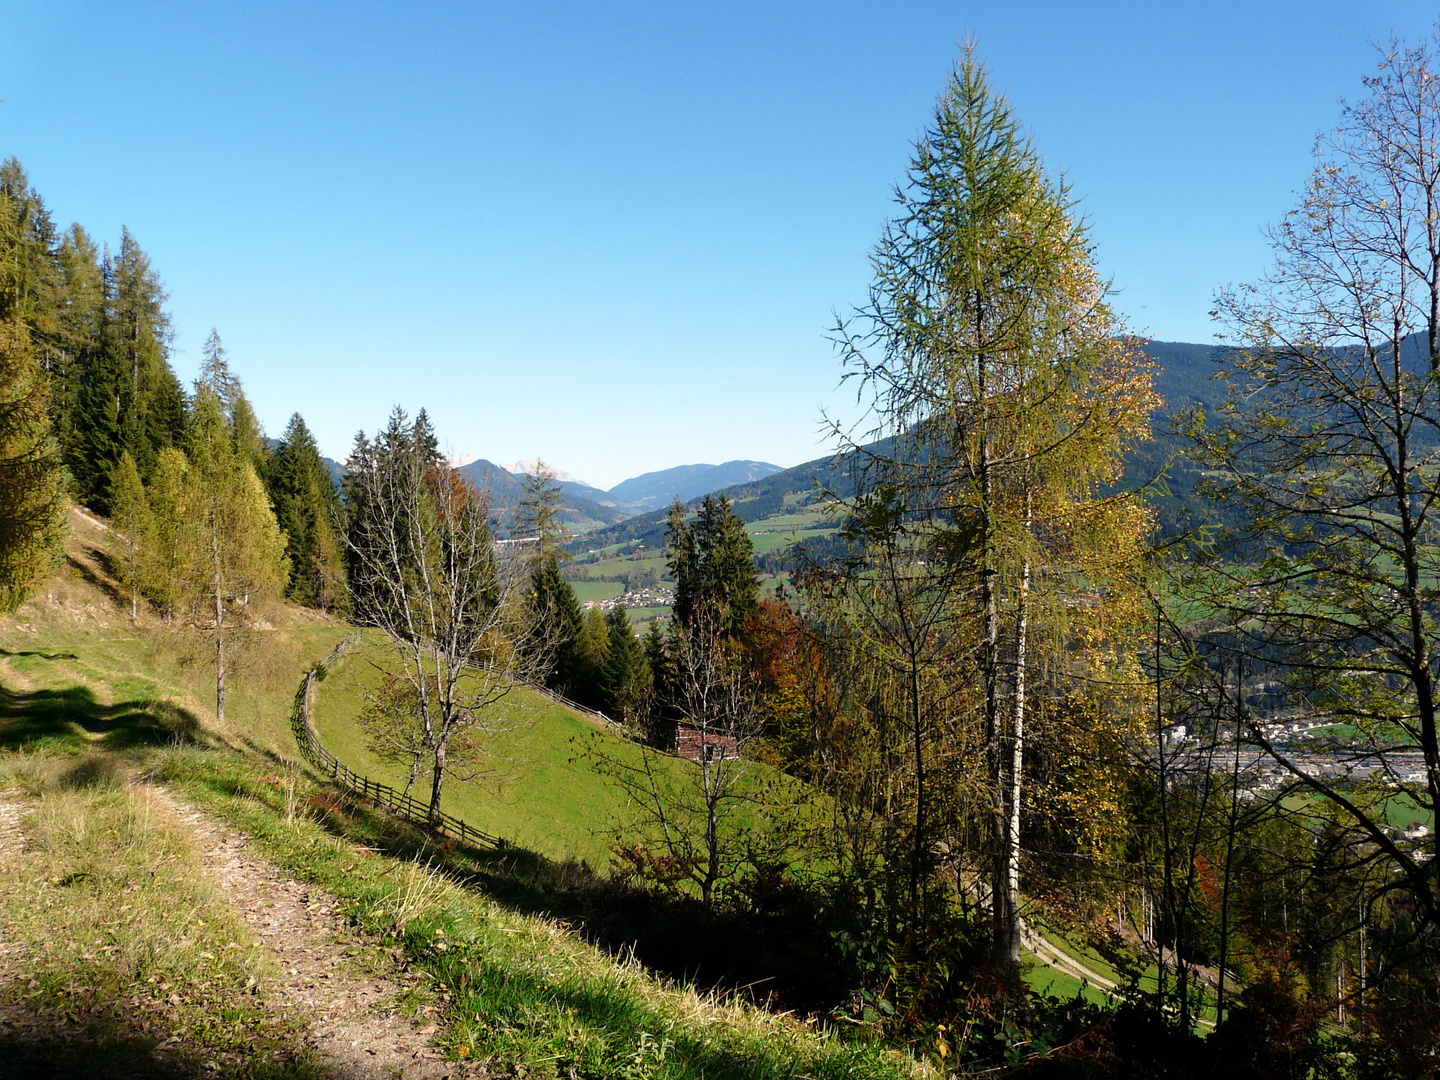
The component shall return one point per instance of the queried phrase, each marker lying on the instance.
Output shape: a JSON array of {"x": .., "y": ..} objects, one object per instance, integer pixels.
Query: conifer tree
[
  {"x": 137, "y": 338},
  {"x": 537, "y": 515},
  {"x": 165, "y": 570},
  {"x": 237, "y": 556},
  {"x": 31, "y": 481},
  {"x": 81, "y": 324},
  {"x": 556, "y": 612},
  {"x": 624, "y": 674},
  {"x": 1010, "y": 392},
  {"x": 128, "y": 397},
  {"x": 594, "y": 642},
  {"x": 713, "y": 563},
  {"x": 31, "y": 287},
  {"x": 133, "y": 523},
  {"x": 307, "y": 507}
]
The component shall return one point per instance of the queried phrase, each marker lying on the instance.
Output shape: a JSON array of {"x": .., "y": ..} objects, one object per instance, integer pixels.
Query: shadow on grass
[
  {"x": 105, "y": 585},
  {"x": 88, "y": 1035},
  {"x": 73, "y": 717},
  {"x": 777, "y": 950}
]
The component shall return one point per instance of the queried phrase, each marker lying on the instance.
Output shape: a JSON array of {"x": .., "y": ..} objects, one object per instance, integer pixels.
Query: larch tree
[
  {"x": 537, "y": 515},
  {"x": 236, "y": 558},
  {"x": 164, "y": 572},
  {"x": 1009, "y": 392},
  {"x": 134, "y": 525},
  {"x": 32, "y": 494}
]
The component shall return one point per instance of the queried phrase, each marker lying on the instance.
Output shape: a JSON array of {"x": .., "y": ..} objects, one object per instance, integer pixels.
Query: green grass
[
  {"x": 544, "y": 792},
  {"x": 1057, "y": 984},
  {"x": 518, "y": 988},
  {"x": 614, "y": 567},
  {"x": 766, "y": 542}
]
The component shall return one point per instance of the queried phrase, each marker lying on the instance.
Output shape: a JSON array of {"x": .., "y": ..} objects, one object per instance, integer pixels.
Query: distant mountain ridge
[
  {"x": 653, "y": 490},
  {"x": 1184, "y": 378},
  {"x": 639, "y": 494}
]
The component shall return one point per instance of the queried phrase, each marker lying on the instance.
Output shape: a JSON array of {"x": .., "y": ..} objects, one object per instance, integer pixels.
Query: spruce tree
[
  {"x": 31, "y": 286},
  {"x": 557, "y": 613},
  {"x": 713, "y": 563},
  {"x": 81, "y": 325},
  {"x": 593, "y": 644},
  {"x": 624, "y": 674},
  {"x": 128, "y": 397},
  {"x": 307, "y": 507},
  {"x": 137, "y": 339}
]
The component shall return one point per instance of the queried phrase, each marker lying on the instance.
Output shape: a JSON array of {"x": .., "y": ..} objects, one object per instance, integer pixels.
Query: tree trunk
[
  {"x": 1012, "y": 927},
  {"x": 437, "y": 784},
  {"x": 220, "y": 677}
]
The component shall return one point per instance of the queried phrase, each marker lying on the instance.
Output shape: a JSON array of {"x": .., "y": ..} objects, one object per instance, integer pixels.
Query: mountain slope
[
  {"x": 654, "y": 490},
  {"x": 579, "y": 513},
  {"x": 1184, "y": 379}
]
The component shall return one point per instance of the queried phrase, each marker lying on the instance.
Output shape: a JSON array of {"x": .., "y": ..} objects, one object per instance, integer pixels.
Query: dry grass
[{"x": 118, "y": 942}]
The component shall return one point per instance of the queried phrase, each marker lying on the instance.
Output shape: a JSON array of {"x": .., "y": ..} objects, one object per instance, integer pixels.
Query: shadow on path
[{"x": 73, "y": 716}]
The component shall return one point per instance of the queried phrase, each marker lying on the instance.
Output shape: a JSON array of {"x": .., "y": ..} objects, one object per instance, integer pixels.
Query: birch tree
[{"x": 1329, "y": 443}]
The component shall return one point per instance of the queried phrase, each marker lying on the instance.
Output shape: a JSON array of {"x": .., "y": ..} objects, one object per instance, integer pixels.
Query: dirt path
[{"x": 328, "y": 973}]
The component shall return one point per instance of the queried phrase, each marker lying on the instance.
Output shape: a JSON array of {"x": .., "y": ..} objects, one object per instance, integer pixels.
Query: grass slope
[
  {"x": 543, "y": 787},
  {"x": 123, "y": 956}
]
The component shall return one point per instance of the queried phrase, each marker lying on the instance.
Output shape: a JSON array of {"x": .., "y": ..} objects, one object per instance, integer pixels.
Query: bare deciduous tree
[
  {"x": 428, "y": 573},
  {"x": 693, "y": 812}
]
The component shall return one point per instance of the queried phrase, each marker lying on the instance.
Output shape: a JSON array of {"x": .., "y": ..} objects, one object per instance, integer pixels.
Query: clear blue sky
[{"x": 614, "y": 235}]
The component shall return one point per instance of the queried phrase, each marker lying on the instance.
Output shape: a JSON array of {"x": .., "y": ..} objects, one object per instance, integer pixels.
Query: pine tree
[{"x": 133, "y": 523}]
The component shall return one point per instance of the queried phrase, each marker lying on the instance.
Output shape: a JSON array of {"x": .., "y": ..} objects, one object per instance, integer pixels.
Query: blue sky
[{"x": 615, "y": 235}]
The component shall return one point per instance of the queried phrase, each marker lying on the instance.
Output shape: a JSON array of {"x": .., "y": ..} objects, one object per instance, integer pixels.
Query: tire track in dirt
[{"x": 329, "y": 972}]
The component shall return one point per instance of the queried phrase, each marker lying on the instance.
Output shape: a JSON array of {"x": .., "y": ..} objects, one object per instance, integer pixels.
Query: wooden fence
[{"x": 401, "y": 804}]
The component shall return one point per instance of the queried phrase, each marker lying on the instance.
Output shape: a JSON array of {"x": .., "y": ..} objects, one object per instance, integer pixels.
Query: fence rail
[
  {"x": 401, "y": 804},
  {"x": 615, "y": 727}
]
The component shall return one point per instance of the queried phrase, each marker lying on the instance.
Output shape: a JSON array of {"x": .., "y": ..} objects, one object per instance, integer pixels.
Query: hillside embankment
[{"x": 184, "y": 898}]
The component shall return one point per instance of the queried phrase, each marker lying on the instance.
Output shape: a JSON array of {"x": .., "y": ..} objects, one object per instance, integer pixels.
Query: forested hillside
[{"x": 1090, "y": 732}]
